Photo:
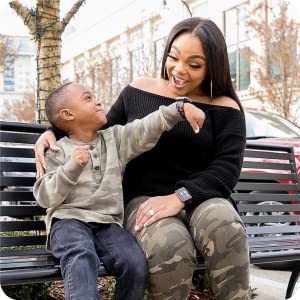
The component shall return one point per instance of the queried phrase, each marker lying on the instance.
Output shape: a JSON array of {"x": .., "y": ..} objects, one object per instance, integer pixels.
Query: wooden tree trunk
[{"x": 46, "y": 28}]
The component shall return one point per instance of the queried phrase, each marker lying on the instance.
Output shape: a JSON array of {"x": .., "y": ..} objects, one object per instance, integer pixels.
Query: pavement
[{"x": 271, "y": 285}]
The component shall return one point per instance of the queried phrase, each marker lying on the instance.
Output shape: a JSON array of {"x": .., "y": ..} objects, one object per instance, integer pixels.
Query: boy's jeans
[{"x": 79, "y": 246}]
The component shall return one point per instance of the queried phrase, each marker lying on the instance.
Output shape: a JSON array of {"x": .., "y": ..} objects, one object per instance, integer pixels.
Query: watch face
[{"x": 184, "y": 194}]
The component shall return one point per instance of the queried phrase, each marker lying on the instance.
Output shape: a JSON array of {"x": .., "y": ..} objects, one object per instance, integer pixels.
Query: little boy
[{"x": 82, "y": 189}]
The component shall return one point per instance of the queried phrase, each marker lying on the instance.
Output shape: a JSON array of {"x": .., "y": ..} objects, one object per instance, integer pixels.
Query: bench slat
[
  {"x": 267, "y": 176},
  {"x": 17, "y": 253},
  {"x": 268, "y": 155},
  {"x": 17, "y": 152},
  {"x": 17, "y": 181},
  {"x": 267, "y": 165},
  {"x": 27, "y": 264},
  {"x": 22, "y": 210},
  {"x": 270, "y": 219},
  {"x": 253, "y": 186},
  {"x": 22, "y": 225},
  {"x": 28, "y": 240},
  {"x": 265, "y": 197},
  {"x": 16, "y": 196},
  {"x": 15, "y": 137},
  {"x": 272, "y": 229},
  {"x": 269, "y": 208},
  {"x": 18, "y": 166},
  {"x": 36, "y": 275}
]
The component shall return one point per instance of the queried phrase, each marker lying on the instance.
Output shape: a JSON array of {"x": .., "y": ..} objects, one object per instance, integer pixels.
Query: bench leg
[{"x": 293, "y": 280}]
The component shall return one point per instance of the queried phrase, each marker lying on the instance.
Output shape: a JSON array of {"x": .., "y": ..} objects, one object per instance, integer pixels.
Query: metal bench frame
[{"x": 269, "y": 174}]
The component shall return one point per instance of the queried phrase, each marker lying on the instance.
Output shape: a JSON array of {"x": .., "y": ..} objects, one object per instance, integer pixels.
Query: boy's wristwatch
[
  {"x": 184, "y": 195},
  {"x": 179, "y": 104}
]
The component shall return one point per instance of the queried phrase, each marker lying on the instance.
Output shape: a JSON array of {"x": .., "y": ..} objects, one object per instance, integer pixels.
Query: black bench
[{"x": 267, "y": 194}]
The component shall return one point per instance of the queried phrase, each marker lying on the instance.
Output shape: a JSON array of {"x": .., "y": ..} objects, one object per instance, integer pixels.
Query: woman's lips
[{"x": 178, "y": 82}]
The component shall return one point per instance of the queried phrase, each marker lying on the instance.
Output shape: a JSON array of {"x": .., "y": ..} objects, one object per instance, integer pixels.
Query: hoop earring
[
  {"x": 165, "y": 76},
  {"x": 211, "y": 94}
]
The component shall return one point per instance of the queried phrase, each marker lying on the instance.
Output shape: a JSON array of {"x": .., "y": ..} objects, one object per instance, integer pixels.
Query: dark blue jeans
[{"x": 80, "y": 246}]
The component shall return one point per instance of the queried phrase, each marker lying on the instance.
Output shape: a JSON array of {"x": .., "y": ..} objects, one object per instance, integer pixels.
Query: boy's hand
[
  {"x": 82, "y": 154},
  {"x": 195, "y": 116}
]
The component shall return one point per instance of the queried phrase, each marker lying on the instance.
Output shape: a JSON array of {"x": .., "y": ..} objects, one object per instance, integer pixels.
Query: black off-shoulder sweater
[{"x": 208, "y": 164}]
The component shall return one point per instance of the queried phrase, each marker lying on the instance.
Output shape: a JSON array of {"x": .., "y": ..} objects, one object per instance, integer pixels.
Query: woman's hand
[
  {"x": 194, "y": 115},
  {"x": 156, "y": 208},
  {"x": 46, "y": 140}
]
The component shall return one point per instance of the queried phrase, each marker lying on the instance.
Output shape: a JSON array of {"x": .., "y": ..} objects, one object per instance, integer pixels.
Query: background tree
[
  {"x": 277, "y": 70},
  {"x": 7, "y": 53},
  {"x": 45, "y": 26},
  {"x": 21, "y": 111},
  {"x": 104, "y": 73}
]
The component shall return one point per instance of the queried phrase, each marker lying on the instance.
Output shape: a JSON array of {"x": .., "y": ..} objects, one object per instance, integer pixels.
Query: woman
[{"x": 177, "y": 195}]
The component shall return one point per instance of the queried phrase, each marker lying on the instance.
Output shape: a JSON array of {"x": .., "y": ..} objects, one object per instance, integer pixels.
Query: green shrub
[{"x": 35, "y": 291}]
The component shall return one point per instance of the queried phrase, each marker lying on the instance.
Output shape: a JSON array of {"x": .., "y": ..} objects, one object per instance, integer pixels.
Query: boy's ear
[{"x": 66, "y": 114}]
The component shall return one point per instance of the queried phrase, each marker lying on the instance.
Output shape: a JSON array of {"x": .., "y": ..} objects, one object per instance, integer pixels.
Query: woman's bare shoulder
[
  {"x": 226, "y": 101},
  {"x": 145, "y": 83}
]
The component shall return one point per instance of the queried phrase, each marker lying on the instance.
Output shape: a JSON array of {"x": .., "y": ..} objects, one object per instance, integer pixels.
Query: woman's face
[{"x": 186, "y": 65}]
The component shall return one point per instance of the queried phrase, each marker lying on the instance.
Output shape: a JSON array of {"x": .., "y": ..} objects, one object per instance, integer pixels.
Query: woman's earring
[
  {"x": 165, "y": 76},
  {"x": 211, "y": 94}
]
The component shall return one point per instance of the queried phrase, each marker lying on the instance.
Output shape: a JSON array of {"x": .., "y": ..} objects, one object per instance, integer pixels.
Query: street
[{"x": 271, "y": 285}]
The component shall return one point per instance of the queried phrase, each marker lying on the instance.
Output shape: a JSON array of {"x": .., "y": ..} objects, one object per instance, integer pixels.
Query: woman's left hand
[{"x": 156, "y": 208}]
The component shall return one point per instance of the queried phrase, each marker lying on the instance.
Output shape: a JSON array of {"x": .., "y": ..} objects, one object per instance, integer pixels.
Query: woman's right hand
[
  {"x": 195, "y": 116},
  {"x": 46, "y": 140}
]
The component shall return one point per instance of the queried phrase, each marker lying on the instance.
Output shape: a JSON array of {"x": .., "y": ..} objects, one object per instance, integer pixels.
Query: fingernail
[
  {"x": 44, "y": 167},
  {"x": 197, "y": 130},
  {"x": 136, "y": 228}
]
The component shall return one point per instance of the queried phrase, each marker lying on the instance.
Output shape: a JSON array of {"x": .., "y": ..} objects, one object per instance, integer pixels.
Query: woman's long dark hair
[{"x": 216, "y": 55}]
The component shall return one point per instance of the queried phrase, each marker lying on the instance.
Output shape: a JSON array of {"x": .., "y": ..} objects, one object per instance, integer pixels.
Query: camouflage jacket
[{"x": 93, "y": 193}]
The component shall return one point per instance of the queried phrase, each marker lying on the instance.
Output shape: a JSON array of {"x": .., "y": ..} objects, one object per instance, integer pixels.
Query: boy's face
[{"x": 87, "y": 111}]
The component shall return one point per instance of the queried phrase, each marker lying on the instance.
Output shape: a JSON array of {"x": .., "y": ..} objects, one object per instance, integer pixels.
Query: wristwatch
[
  {"x": 184, "y": 195},
  {"x": 179, "y": 104},
  {"x": 184, "y": 99}
]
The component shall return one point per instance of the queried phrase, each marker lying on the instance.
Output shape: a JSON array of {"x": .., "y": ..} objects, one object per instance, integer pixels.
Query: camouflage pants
[{"x": 214, "y": 230}]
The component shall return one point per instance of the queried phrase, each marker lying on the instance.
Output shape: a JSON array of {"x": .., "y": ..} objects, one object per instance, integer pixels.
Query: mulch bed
[{"x": 106, "y": 289}]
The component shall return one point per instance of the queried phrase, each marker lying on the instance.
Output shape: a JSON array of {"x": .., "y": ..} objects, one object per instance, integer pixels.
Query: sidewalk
[{"x": 270, "y": 285}]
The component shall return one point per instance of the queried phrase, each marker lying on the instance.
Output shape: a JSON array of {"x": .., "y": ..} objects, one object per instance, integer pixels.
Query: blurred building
[
  {"x": 129, "y": 42},
  {"x": 19, "y": 72}
]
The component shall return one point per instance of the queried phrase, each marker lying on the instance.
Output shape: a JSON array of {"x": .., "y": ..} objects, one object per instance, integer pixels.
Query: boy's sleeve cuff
[{"x": 73, "y": 169}]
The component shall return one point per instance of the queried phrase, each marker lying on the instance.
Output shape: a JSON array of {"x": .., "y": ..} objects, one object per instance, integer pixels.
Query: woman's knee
[
  {"x": 167, "y": 244},
  {"x": 216, "y": 224}
]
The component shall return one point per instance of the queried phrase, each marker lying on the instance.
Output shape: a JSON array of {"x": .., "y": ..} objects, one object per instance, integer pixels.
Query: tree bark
[{"x": 46, "y": 28}]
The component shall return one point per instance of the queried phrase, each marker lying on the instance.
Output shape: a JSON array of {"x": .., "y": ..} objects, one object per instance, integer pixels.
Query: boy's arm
[
  {"x": 51, "y": 189},
  {"x": 142, "y": 135}
]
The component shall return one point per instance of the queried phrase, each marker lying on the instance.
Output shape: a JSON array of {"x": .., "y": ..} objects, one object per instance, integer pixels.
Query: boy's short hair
[{"x": 54, "y": 103}]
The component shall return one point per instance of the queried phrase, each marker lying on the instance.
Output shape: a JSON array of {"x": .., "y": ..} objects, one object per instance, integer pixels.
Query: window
[
  {"x": 159, "y": 46},
  {"x": 9, "y": 70},
  {"x": 136, "y": 54},
  {"x": 116, "y": 80},
  {"x": 137, "y": 63},
  {"x": 237, "y": 39},
  {"x": 24, "y": 46}
]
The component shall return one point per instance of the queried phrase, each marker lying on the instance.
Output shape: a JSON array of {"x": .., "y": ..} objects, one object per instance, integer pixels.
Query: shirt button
[
  {"x": 97, "y": 168},
  {"x": 95, "y": 155},
  {"x": 92, "y": 147}
]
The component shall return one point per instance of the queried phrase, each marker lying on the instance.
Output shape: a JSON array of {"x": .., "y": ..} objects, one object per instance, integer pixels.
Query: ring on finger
[{"x": 151, "y": 212}]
